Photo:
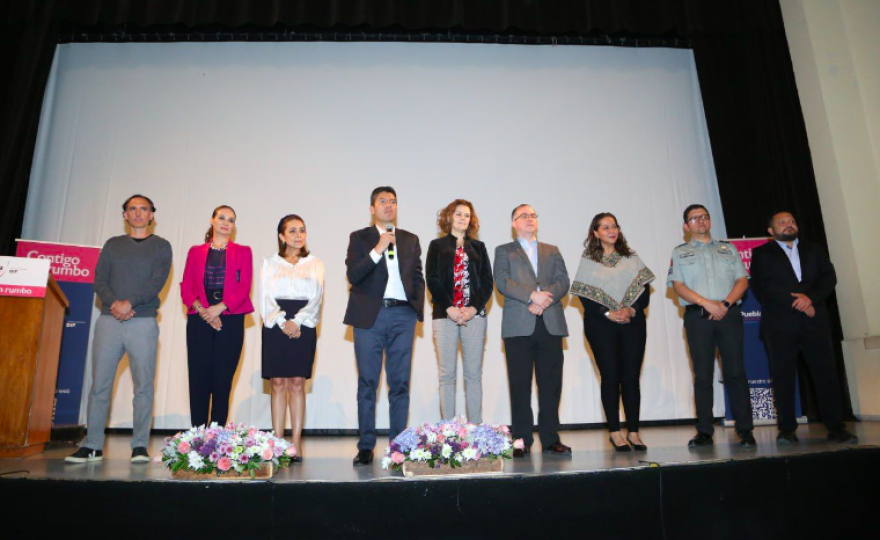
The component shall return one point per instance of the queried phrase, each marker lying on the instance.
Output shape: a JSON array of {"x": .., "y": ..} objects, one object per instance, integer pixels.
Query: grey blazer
[{"x": 516, "y": 280}]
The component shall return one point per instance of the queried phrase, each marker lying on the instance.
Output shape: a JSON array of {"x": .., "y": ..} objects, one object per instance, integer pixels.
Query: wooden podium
[{"x": 30, "y": 342}]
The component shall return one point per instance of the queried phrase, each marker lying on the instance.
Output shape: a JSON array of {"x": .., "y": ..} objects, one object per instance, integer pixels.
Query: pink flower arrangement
[
  {"x": 449, "y": 443},
  {"x": 225, "y": 450}
]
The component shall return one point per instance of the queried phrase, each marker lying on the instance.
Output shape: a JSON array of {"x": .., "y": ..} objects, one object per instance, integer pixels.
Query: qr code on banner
[{"x": 763, "y": 407}]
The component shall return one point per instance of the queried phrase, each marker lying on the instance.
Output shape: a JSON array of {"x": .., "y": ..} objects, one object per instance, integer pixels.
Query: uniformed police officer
[{"x": 710, "y": 278}]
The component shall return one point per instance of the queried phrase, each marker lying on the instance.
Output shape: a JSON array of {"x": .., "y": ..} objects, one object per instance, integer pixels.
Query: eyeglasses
[
  {"x": 526, "y": 216},
  {"x": 701, "y": 217}
]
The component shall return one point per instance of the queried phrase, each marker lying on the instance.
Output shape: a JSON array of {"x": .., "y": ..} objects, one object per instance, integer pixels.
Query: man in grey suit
[{"x": 532, "y": 277}]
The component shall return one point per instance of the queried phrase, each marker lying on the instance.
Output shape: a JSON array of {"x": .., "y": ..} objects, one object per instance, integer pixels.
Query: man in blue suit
[{"x": 387, "y": 297}]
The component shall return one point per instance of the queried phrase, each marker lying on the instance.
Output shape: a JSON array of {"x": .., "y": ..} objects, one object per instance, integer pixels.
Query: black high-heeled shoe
[
  {"x": 636, "y": 447},
  {"x": 622, "y": 448}
]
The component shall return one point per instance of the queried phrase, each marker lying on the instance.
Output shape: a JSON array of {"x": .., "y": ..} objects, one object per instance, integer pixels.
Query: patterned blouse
[
  {"x": 215, "y": 275},
  {"x": 462, "y": 290}
]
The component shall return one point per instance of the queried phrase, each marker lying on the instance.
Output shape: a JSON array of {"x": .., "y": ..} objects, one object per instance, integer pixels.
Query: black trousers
[
  {"x": 818, "y": 353},
  {"x": 212, "y": 358},
  {"x": 618, "y": 350},
  {"x": 541, "y": 353},
  {"x": 703, "y": 337}
]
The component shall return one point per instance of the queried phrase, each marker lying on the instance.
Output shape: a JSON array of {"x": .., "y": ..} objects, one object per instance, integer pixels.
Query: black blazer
[
  {"x": 773, "y": 281},
  {"x": 439, "y": 273},
  {"x": 368, "y": 279}
]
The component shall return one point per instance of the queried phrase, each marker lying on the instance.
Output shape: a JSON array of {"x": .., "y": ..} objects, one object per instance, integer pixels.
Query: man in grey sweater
[{"x": 131, "y": 271}]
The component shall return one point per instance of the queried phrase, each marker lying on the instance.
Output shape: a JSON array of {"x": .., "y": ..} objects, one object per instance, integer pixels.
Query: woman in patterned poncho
[{"x": 612, "y": 284}]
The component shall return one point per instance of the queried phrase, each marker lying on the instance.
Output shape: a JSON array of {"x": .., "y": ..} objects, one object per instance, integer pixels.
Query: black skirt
[{"x": 284, "y": 357}]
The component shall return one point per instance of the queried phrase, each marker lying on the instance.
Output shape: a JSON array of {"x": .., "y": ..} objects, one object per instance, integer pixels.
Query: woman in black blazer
[{"x": 459, "y": 276}]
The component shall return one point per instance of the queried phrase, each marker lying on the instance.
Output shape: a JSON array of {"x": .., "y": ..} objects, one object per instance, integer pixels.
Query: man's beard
[{"x": 786, "y": 237}]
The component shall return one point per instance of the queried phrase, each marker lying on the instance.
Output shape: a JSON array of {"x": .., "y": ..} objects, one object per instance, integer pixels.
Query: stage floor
[{"x": 328, "y": 458}]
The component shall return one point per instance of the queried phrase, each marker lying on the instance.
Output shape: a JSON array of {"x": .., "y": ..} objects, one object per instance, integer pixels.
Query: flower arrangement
[
  {"x": 221, "y": 450},
  {"x": 450, "y": 442}
]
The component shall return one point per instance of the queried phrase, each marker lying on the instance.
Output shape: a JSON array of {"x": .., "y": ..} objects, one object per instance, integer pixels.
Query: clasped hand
[
  {"x": 291, "y": 329},
  {"x": 121, "y": 310},
  {"x": 211, "y": 315},
  {"x": 461, "y": 316},
  {"x": 541, "y": 300},
  {"x": 716, "y": 309},
  {"x": 803, "y": 304},
  {"x": 622, "y": 315}
]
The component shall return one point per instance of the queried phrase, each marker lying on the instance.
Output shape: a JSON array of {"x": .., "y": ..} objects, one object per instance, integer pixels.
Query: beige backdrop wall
[
  {"x": 311, "y": 128},
  {"x": 835, "y": 49}
]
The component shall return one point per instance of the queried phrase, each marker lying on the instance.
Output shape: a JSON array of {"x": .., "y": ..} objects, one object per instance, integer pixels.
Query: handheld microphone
[{"x": 390, "y": 228}]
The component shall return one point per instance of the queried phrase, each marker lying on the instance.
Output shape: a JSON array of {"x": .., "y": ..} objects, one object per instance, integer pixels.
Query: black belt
[
  {"x": 694, "y": 307},
  {"x": 394, "y": 302}
]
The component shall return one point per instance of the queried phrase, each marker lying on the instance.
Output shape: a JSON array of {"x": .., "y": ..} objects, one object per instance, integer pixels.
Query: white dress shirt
[
  {"x": 394, "y": 287},
  {"x": 794, "y": 256},
  {"x": 281, "y": 280}
]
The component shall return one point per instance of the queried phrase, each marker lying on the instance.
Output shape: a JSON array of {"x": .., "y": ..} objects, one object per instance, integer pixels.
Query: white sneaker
[
  {"x": 139, "y": 455},
  {"x": 84, "y": 455}
]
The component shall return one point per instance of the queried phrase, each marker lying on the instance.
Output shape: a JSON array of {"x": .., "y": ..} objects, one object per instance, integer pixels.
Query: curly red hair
[{"x": 444, "y": 217}]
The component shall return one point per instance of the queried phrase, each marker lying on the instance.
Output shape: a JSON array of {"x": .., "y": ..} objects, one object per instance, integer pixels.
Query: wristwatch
[{"x": 725, "y": 303}]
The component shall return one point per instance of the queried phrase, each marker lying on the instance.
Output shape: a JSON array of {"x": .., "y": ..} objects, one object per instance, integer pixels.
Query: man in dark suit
[
  {"x": 532, "y": 277},
  {"x": 384, "y": 268},
  {"x": 792, "y": 279}
]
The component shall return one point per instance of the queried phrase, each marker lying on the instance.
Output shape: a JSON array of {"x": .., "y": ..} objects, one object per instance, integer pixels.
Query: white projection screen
[{"x": 312, "y": 128}]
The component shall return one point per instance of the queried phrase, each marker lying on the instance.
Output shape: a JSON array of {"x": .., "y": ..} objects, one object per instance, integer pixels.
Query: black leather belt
[
  {"x": 394, "y": 302},
  {"x": 694, "y": 307}
]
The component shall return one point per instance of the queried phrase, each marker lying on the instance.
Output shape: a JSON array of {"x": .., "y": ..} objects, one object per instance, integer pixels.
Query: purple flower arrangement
[
  {"x": 450, "y": 442},
  {"x": 222, "y": 450}
]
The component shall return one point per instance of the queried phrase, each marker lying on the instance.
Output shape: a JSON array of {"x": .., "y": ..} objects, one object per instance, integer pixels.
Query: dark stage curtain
[
  {"x": 26, "y": 53},
  {"x": 758, "y": 136}
]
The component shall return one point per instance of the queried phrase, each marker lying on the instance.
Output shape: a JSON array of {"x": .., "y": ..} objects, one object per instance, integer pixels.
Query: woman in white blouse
[{"x": 290, "y": 304}]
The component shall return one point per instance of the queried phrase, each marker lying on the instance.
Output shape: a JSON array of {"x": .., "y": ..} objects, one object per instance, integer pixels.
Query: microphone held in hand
[{"x": 390, "y": 229}]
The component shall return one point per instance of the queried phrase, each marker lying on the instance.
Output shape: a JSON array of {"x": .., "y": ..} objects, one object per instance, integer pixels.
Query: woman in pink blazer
[{"x": 216, "y": 290}]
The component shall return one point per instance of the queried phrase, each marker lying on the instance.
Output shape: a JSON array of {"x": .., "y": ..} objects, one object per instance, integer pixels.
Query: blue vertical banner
[
  {"x": 757, "y": 364},
  {"x": 73, "y": 267}
]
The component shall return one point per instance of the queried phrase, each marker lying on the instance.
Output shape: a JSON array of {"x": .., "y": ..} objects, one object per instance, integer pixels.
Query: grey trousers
[
  {"x": 447, "y": 335},
  {"x": 139, "y": 337}
]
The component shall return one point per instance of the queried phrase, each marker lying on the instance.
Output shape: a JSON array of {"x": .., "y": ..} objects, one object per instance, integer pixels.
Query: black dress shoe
[
  {"x": 701, "y": 439},
  {"x": 622, "y": 448},
  {"x": 296, "y": 459},
  {"x": 521, "y": 453},
  {"x": 363, "y": 457},
  {"x": 786, "y": 437},
  {"x": 558, "y": 448},
  {"x": 636, "y": 447},
  {"x": 746, "y": 438},
  {"x": 842, "y": 436}
]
